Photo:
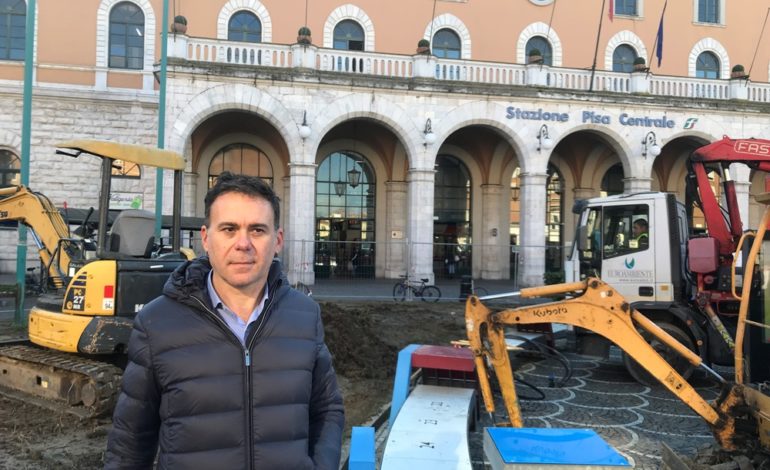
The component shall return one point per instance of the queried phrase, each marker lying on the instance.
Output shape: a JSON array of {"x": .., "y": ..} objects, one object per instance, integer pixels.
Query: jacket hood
[{"x": 189, "y": 280}]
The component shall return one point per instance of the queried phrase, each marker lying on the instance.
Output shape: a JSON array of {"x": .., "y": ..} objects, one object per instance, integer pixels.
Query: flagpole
[
  {"x": 657, "y": 33},
  {"x": 596, "y": 49}
]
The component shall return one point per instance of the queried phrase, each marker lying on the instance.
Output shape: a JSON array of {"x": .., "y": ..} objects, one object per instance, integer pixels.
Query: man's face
[
  {"x": 637, "y": 230},
  {"x": 241, "y": 241}
]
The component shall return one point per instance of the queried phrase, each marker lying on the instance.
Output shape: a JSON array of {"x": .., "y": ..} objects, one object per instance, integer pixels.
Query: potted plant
[
  {"x": 640, "y": 65},
  {"x": 534, "y": 56},
  {"x": 423, "y": 47},
  {"x": 179, "y": 25},
  {"x": 738, "y": 72},
  {"x": 304, "y": 36}
]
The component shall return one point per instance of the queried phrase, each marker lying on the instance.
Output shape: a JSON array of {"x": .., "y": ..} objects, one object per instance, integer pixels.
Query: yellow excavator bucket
[{"x": 127, "y": 152}]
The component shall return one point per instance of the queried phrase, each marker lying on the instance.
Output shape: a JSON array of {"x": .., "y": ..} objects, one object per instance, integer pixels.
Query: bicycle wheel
[
  {"x": 399, "y": 292},
  {"x": 480, "y": 292},
  {"x": 430, "y": 294},
  {"x": 302, "y": 287}
]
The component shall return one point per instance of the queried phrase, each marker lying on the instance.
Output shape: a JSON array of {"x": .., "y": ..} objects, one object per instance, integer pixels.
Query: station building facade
[{"x": 390, "y": 160}]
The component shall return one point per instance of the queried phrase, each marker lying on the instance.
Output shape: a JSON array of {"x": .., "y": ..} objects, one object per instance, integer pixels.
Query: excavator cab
[{"x": 99, "y": 286}]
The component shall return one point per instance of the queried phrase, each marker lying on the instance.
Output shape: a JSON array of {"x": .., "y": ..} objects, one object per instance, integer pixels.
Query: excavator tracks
[{"x": 60, "y": 381}]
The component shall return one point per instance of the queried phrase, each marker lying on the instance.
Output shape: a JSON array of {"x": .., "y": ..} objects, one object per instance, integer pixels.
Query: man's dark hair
[
  {"x": 249, "y": 185},
  {"x": 641, "y": 223}
]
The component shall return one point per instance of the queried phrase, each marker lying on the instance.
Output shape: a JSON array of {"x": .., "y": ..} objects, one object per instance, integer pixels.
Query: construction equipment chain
[{"x": 104, "y": 376}]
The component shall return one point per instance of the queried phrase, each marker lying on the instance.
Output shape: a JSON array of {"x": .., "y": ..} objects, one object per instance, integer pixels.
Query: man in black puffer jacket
[{"x": 228, "y": 368}]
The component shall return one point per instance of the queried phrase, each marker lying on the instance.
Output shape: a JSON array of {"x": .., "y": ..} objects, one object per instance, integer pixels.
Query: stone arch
[
  {"x": 713, "y": 46},
  {"x": 385, "y": 112},
  {"x": 254, "y": 6},
  {"x": 450, "y": 21},
  {"x": 623, "y": 37},
  {"x": 478, "y": 113},
  {"x": 233, "y": 97},
  {"x": 10, "y": 141},
  {"x": 539, "y": 29},
  {"x": 616, "y": 142},
  {"x": 103, "y": 31},
  {"x": 349, "y": 12}
]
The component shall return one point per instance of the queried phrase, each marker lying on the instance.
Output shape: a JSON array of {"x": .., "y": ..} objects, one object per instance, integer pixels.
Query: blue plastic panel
[{"x": 554, "y": 447}]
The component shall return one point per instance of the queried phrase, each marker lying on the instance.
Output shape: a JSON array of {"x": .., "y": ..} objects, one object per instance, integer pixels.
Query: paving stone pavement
[{"x": 635, "y": 419}]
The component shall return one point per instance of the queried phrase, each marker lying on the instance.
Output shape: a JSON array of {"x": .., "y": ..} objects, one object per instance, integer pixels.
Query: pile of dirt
[{"x": 363, "y": 337}]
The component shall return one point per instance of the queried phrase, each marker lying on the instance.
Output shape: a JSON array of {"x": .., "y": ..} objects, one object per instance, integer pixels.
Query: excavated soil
[{"x": 364, "y": 339}]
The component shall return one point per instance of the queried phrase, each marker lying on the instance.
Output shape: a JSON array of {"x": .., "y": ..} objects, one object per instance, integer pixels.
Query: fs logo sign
[
  {"x": 690, "y": 123},
  {"x": 630, "y": 263}
]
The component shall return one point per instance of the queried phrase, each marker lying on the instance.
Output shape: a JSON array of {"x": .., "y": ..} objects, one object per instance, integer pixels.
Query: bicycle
[
  {"x": 419, "y": 289},
  {"x": 303, "y": 288}
]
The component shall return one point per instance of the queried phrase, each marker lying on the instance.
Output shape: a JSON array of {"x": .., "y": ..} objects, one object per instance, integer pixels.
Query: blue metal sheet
[{"x": 554, "y": 447}]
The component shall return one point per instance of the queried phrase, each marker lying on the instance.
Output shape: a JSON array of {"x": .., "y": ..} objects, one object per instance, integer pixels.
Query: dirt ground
[{"x": 364, "y": 339}]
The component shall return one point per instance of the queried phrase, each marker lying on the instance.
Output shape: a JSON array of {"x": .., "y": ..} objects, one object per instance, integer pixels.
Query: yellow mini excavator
[
  {"x": 96, "y": 282},
  {"x": 740, "y": 417}
]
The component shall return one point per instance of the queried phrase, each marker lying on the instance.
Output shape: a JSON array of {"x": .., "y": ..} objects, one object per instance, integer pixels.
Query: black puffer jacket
[{"x": 195, "y": 392}]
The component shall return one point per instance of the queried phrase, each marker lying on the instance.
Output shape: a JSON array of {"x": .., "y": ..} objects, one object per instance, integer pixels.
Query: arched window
[
  {"x": 446, "y": 44},
  {"x": 707, "y": 66},
  {"x": 10, "y": 168},
  {"x": 126, "y": 36},
  {"x": 623, "y": 58},
  {"x": 451, "y": 218},
  {"x": 612, "y": 181},
  {"x": 241, "y": 159},
  {"x": 345, "y": 217},
  {"x": 349, "y": 35},
  {"x": 554, "y": 224},
  {"x": 13, "y": 17},
  {"x": 244, "y": 26},
  {"x": 540, "y": 43}
]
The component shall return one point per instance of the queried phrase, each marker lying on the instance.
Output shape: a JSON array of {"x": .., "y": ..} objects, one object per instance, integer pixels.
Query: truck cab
[{"x": 634, "y": 242}]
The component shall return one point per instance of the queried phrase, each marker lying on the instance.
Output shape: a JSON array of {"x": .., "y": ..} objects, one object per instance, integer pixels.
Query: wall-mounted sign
[
  {"x": 512, "y": 112},
  {"x": 120, "y": 201}
]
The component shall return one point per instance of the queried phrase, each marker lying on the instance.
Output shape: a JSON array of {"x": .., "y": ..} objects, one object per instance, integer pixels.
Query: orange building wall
[{"x": 67, "y": 30}]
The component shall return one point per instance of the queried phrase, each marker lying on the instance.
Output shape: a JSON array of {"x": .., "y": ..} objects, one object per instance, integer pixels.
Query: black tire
[
  {"x": 481, "y": 292},
  {"x": 431, "y": 294},
  {"x": 679, "y": 363},
  {"x": 399, "y": 292}
]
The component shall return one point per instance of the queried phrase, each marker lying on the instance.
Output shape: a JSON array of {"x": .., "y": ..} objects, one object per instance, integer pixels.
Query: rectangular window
[
  {"x": 708, "y": 11},
  {"x": 626, "y": 7}
]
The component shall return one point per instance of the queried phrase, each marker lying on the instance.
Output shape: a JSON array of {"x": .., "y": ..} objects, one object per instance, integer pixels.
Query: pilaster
[
  {"x": 420, "y": 226},
  {"x": 300, "y": 223},
  {"x": 494, "y": 232},
  {"x": 396, "y": 216},
  {"x": 532, "y": 258}
]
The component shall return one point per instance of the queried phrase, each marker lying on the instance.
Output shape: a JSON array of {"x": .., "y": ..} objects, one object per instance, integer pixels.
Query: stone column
[
  {"x": 739, "y": 89},
  {"x": 532, "y": 258},
  {"x": 300, "y": 223},
  {"x": 396, "y": 220},
  {"x": 584, "y": 193},
  {"x": 537, "y": 74},
  {"x": 494, "y": 231},
  {"x": 636, "y": 184},
  {"x": 640, "y": 82},
  {"x": 420, "y": 225},
  {"x": 742, "y": 195},
  {"x": 303, "y": 56},
  {"x": 424, "y": 66}
]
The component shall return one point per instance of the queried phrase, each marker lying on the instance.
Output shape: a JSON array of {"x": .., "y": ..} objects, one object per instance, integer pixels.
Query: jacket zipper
[{"x": 247, "y": 363}]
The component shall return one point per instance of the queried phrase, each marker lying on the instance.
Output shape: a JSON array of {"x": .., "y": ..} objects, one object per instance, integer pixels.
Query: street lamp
[{"x": 650, "y": 145}]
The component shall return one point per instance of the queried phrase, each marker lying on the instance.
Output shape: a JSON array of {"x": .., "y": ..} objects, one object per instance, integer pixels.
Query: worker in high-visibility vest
[{"x": 640, "y": 233}]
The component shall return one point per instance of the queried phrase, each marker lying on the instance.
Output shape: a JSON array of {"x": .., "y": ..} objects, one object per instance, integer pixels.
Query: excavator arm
[
  {"x": 599, "y": 308},
  {"x": 56, "y": 249}
]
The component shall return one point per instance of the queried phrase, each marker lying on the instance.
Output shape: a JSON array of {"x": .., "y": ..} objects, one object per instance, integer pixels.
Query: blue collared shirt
[{"x": 234, "y": 322}]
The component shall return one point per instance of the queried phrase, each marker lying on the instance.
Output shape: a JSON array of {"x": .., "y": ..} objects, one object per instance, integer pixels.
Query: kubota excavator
[
  {"x": 679, "y": 279},
  {"x": 81, "y": 326},
  {"x": 600, "y": 308}
]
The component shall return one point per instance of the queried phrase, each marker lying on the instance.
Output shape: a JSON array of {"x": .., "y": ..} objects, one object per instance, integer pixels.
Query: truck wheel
[{"x": 680, "y": 364}]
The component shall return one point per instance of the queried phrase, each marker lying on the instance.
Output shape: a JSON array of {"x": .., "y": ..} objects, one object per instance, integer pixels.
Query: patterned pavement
[{"x": 635, "y": 419}]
